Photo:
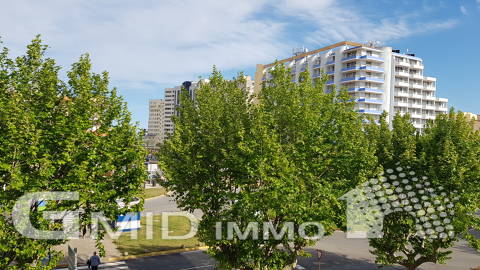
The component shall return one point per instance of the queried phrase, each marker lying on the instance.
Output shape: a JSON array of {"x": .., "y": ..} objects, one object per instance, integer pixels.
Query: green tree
[
  {"x": 61, "y": 136},
  {"x": 285, "y": 157},
  {"x": 447, "y": 154}
]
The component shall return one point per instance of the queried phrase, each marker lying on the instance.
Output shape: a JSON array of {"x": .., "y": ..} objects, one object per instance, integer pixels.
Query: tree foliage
[
  {"x": 447, "y": 154},
  {"x": 56, "y": 135},
  {"x": 286, "y": 156}
]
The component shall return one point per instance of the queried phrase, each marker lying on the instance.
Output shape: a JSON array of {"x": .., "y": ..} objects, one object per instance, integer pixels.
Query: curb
[
  {"x": 155, "y": 197},
  {"x": 156, "y": 253},
  {"x": 150, "y": 254}
]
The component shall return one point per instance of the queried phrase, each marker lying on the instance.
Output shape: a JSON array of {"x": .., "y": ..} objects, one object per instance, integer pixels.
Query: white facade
[{"x": 378, "y": 79}]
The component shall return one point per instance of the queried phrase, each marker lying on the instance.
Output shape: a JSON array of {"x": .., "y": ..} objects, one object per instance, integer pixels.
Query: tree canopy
[
  {"x": 61, "y": 135},
  {"x": 446, "y": 153},
  {"x": 285, "y": 154}
]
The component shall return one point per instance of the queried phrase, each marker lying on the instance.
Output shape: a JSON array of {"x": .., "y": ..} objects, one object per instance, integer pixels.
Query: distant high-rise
[
  {"x": 172, "y": 100},
  {"x": 155, "y": 135},
  {"x": 378, "y": 79}
]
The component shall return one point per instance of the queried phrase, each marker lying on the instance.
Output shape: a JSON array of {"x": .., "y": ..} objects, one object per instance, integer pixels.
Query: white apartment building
[
  {"x": 172, "y": 100},
  {"x": 155, "y": 132},
  {"x": 378, "y": 79}
]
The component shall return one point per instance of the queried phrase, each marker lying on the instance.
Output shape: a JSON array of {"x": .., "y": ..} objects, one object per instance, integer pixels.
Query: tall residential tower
[
  {"x": 378, "y": 79},
  {"x": 172, "y": 99},
  {"x": 155, "y": 133}
]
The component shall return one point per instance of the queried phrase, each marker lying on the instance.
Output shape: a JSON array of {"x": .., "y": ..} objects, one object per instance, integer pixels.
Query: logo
[{"x": 399, "y": 190}]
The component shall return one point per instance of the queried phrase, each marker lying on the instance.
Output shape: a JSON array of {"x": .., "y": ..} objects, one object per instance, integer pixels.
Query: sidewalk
[{"x": 86, "y": 247}]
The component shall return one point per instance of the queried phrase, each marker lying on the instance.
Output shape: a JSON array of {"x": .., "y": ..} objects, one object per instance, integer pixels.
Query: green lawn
[
  {"x": 177, "y": 226},
  {"x": 154, "y": 192}
]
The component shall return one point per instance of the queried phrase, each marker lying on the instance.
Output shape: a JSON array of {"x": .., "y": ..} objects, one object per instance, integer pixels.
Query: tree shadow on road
[{"x": 337, "y": 261}]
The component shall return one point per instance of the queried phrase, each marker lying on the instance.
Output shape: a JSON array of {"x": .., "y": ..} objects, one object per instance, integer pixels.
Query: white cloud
[
  {"x": 463, "y": 9},
  {"x": 169, "y": 41},
  {"x": 163, "y": 41},
  {"x": 336, "y": 22}
]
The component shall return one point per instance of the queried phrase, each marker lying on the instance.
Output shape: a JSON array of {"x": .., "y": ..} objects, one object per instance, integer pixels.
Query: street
[
  {"x": 161, "y": 204},
  {"x": 337, "y": 251}
]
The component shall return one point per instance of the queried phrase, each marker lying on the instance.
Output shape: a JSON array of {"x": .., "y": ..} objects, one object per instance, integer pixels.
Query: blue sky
[{"x": 148, "y": 45}]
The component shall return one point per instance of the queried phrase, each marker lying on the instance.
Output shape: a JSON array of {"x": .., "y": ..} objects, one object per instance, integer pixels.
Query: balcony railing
[
  {"x": 416, "y": 66},
  {"x": 370, "y": 100},
  {"x": 371, "y": 57},
  {"x": 371, "y": 68},
  {"x": 401, "y": 94},
  {"x": 362, "y": 78},
  {"x": 401, "y": 104},
  {"x": 349, "y": 58},
  {"x": 349, "y": 68},
  {"x": 365, "y": 89},
  {"x": 368, "y": 111},
  {"x": 401, "y": 73}
]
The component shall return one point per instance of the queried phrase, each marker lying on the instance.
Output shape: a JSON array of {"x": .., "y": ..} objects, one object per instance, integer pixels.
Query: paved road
[
  {"x": 164, "y": 204},
  {"x": 339, "y": 253},
  {"x": 342, "y": 253},
  {"x": 181, "y": 261}
]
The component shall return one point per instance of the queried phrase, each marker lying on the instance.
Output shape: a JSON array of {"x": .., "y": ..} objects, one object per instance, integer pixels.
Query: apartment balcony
[
  {"x": 429, "y": 107},
  {"x": 332, "y": 62},
  {"x": 350, "y": 58},
  {"x": 416, "y": 66},
  {"x": 372, "y": 79},
  {"x": 365, "y": 90},
  {"x": 441, "y": 109},
  {"x": 372, "y": 58},
  {"x": 330, "y": 82},
  {"x": 429, "y": 117},
  {"x": 442, "y": 100},
  {"x": 363, "y": 78},
  {"x": 417, "y": 76},
  {"x": 416, "y": 105},
  {"x": 401, "y": 104},
  {"x": 364, "y": 57},
  {"x": 400, "y": 83},
  {"x": 402, "y": 74},
  {"x": 369, "y": 111},
  {"x": 429, "y": 79},
  {"x": 401, "y": 94},
  {"x": 372, "y": 68},
  {"x": 415, "y": 86},
  {"x": 350, "y": 68},
  {"x": 402, "y": 64},
  {"x": 367, "y": 68},
  {"x": 427, "y": 97},
  {"x": 331, "y": 72},
  {"x": 429, "y": 88},
  {"x": 369, "y": 100},
  {"x": 416, "y": 115},
  {"x": 414, "y": 95},
  {"x": 316, "y": 66}
]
